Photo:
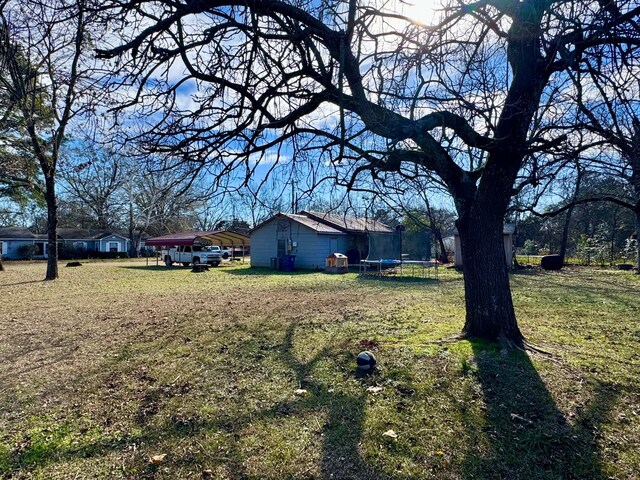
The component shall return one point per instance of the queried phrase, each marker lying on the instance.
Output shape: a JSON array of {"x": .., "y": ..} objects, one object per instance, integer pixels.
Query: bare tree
[
  {"x": 367, "y": 90},
  {"x": 157, "y": 201},
  {"x": 609, "y": 103},
  {"x": 92, "y": 177},
  {"x": 44, "y": 50}
]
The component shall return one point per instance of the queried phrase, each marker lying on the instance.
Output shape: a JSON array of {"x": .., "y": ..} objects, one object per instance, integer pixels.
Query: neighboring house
[
  {"x": 11, "y": 239},
  {"x": 93, "y": 240},
  {"x": 507, "y": 236},
  {"x": 311, "y": 237}
]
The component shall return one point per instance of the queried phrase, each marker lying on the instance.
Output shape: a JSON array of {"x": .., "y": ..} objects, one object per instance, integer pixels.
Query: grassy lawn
[{"x": 118, "y": 370}]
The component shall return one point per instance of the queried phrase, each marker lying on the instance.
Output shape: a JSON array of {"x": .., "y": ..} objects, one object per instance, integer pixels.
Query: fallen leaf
[
  {"x": 374, "y": 389},
  {"x": 390, "y": 433},
  {"x": 156, "y": 459},
  {"x": 301, "y": 392},
  {"x": 515, "y": 416}
]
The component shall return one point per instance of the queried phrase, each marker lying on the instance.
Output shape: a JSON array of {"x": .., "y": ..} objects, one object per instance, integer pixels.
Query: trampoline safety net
[{"x": 399, "y": 245}]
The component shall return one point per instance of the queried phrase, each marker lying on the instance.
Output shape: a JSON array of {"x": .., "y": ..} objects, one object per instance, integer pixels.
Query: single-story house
[
  {"x": 311, "y": 237},
  {"x": 93, "y": 240},
  {"x": 11, "y": 239},
  {"x": 507, "y": 236}
]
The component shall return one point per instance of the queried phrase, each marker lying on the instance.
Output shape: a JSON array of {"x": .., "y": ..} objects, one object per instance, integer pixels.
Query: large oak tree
[{"x": 472, "y": 97}]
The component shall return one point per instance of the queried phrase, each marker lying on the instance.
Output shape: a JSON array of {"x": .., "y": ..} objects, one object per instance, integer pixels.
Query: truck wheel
[
  {"x": 185, "y": 264},
  {"x": 215, "y": 264},
  {"x": 196, "y": 261},
  {"x": 225, "y": 255},
  {"x": 167, "y": 261}
]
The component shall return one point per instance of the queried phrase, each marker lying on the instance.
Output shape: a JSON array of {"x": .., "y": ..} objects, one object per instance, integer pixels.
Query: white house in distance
[
  {"x": 311, "y": 237},
  {"x": 11, "y": 239},
  {"x": 507, "y": 236}
]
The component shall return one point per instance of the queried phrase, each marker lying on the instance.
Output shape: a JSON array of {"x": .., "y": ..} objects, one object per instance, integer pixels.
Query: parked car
[
  {"x": 224, "y": 253},
  {"x": 187, "y": 254}
]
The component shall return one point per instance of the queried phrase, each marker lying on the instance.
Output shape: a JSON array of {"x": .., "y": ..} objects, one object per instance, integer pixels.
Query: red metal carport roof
[{"x": 218, "y": 237}]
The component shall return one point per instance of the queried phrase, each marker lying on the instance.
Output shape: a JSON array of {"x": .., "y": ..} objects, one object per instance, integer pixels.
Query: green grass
[{"x": 116, "y": 363}]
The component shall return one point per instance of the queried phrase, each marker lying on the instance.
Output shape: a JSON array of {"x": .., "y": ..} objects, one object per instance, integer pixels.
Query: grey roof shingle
[
  {"x": 18, "y": 233},
  {"x": 15, "y": 233},
  {"x": 313, "y": 224},
  {"x": 349, "y": 223},
  {"x": 325, "y": 223}
]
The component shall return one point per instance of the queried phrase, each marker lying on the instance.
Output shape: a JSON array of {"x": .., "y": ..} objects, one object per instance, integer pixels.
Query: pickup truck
[{"x": 192, "y": 254}]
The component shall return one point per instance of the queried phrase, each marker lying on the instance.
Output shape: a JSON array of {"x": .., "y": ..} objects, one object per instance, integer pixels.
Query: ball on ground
[{"x": 366, "y": 361}]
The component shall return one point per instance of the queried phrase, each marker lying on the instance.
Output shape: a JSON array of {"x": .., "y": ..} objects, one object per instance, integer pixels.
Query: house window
[
  {"x": 80, "y": 245},
  {"x": 113, "y": 246},
  {"x": 40, "y": 249}
]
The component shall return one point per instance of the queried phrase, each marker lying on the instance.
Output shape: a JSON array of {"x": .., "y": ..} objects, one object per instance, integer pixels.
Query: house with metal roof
[{"x": 311, "y": 237}]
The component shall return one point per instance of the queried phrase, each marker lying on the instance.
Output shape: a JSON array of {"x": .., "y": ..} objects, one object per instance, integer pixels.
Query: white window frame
[{"x": 110, "y": 246}]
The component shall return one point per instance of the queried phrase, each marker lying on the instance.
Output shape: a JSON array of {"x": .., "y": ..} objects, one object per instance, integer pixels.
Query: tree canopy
[{"x": 479, "y": 97}]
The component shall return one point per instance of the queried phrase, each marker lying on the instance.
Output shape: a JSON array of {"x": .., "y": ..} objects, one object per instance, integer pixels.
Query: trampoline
[{"x": 399, "y": 253}]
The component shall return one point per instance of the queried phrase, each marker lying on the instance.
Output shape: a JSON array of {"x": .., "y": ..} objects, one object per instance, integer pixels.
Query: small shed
[
  {"x": 337, "y": 263},
  {"x": 507, "y": 238}
]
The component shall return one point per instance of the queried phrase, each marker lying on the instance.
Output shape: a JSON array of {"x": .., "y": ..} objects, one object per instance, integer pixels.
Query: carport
[{"x": 222, "y": 238}]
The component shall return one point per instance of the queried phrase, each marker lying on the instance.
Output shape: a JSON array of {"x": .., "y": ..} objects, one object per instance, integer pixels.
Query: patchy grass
[{"x": 117, "y": 363}]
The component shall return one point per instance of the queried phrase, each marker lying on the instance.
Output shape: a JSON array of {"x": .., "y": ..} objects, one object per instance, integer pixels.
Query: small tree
[{"x": 530, "y": 247}]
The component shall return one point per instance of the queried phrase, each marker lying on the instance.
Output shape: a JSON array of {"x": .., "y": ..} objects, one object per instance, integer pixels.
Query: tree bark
[
  {"x": 567, "y": 219},
  {"x": 489, "y": 308},
  {"x": 442, "y": 256},
  {"x": 52, "y": 228},
  {"x": 638, "y": 239},
  {"x": 1, "y": 265}
]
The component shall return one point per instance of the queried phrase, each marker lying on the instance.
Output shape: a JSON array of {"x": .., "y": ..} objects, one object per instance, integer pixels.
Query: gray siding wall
[
  {"x": 264, "y": 245},
  {"x": 311, "y": 250}
]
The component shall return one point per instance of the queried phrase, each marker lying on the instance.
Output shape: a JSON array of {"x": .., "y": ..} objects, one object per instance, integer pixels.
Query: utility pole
[{"x": 294, "y": 202}]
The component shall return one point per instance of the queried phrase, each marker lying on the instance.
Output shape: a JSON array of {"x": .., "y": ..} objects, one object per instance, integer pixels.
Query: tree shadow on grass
[
  {"x": 339, "y": 432},
  {"x": 21, "y": 283},
  {"x": 525, "y": 435},
  {"x": 342, "y": 431},
  {"x": 250, "y": 271}
]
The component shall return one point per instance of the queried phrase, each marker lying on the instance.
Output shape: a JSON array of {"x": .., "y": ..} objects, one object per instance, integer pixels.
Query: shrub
[
  {"x": 27, "y": 252},
  {"x": 530, "y": 248}
]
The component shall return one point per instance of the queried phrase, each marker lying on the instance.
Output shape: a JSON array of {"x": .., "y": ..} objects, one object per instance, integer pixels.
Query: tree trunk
[
  {"x": 1, "y": 265},
  {"x": 442, "y": 256},
  {"x": 490, "y": 314},
  {"x": 489, "y": 308},
  {"x": 52, "y": 228},
  {"x": 638, "y": 239},
  {"x": 132, "y": 234},
  {"x": 567, "y": 219}
]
